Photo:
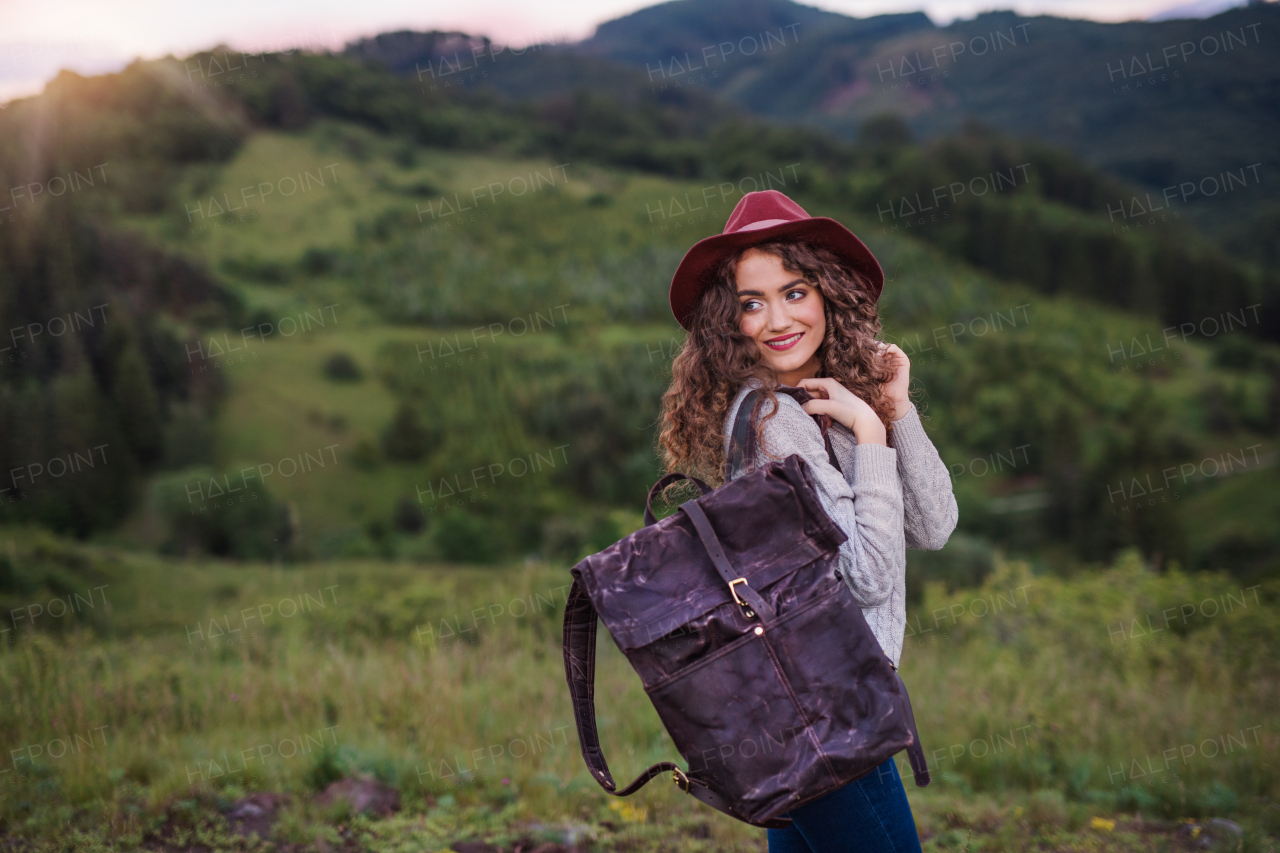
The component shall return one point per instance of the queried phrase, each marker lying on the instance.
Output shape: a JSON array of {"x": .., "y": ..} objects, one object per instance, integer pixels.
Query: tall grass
[{"x": 447, "y": 682}]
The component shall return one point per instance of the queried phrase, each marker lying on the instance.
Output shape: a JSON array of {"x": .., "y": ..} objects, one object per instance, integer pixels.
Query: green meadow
[{"x": 1103, "y": 712}]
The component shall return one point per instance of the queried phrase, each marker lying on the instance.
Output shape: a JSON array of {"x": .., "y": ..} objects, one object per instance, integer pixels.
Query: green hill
[
  {"x": 352, "y": 236},
  {"x": 568, "y": 289},
  {"x": 1156, "y": 104}
]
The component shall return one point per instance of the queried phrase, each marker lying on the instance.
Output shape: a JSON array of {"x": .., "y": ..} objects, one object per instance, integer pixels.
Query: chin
[
  {"x": 787, "y": 365},
  {"x": 789, "y": 362}
]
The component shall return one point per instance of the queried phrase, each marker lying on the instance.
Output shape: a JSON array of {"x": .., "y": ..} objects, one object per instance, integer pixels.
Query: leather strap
[
  {"x": 580, "y": 669},
  {"x": 663, "y": 482},
  {"x": 742, "y": 445},
  {"x": 737, "y": 584}
]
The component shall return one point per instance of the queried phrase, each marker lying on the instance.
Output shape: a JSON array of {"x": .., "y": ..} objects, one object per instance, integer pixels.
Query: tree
[
  {"x": 136, "y": 405},
  {"x": 406, "y": 440}
]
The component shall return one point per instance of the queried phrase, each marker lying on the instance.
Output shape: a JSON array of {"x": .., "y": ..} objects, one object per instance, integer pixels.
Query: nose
[{"x": 777, "y": 319}]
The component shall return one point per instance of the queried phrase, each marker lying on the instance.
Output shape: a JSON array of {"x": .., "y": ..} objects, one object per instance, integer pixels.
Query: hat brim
[{"x": 698, "y": 268}]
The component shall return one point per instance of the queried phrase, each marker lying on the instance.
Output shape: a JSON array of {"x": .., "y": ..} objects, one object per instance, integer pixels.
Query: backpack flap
[{"x": 661, "y": 577}]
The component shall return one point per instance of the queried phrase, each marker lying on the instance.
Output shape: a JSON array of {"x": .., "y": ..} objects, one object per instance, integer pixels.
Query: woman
[{"x": 783, "y": 298}]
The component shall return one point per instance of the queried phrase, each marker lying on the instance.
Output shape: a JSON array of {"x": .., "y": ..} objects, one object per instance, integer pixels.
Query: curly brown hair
[{"x": 716, "y": 358}]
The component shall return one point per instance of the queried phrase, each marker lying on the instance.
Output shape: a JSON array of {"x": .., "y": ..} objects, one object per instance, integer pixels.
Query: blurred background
[{"x": 331, "y": 340}]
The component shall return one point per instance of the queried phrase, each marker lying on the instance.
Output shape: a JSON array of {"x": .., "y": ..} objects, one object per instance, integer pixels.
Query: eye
[{"x": 746, "y": 306}]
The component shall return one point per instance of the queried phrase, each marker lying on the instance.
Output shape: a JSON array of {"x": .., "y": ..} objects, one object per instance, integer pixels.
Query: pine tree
[{"x": 136, "y": 405}]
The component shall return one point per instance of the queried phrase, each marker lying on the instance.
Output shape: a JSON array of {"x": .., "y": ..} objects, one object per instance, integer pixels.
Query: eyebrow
[{"x": 781, "y": 287}]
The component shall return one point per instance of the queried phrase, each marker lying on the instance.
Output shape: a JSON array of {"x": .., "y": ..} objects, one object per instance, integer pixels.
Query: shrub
[
  {"x": 365, "y": 455},
  {"x": 1047, "y": 808},
  {"x": 341, "y": 367},
  {"x": 408, "y": 518},
  {"x": 316, "y": 261},
  {"x": 326, "y": 768},
  {"x": 406, "y": 439},
  {"x": 467, "y": 538},
  {"x": 570, "y": 538},
  {"x": 218, "y": 514},
  {"x": 256, "y": 269},
  {"x": 965, "y": 561}
]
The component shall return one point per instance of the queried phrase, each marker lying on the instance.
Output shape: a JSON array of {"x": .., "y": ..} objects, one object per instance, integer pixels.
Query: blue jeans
[{"x": 867, "y": 816}]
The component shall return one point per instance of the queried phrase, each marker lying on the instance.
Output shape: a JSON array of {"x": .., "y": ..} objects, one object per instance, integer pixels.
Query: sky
[{"x": 97, "y": 36}]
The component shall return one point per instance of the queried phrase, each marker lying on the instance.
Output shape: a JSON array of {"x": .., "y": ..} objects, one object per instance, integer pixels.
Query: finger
[
  {"x": 832, "y": 407},
  {"x": 816, "y": 386},
  {"x": 817, "y": 407}
]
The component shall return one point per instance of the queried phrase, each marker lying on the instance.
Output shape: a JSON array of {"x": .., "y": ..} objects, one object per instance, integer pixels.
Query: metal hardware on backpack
[{"x": 747, "y": 641}]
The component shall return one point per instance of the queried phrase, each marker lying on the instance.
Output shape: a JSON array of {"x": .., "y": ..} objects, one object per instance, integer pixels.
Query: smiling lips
[{"x": 784, "y": 343}]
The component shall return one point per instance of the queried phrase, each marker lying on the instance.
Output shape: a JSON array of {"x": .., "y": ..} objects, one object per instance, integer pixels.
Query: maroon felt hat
[{"x": 759, "y": 218}]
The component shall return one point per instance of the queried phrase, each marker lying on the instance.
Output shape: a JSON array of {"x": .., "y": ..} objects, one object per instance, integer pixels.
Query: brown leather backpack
[{"x": 748, "y": 642}]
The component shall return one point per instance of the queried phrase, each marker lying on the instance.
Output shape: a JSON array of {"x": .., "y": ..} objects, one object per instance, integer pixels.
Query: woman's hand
[
  {"x": 844, "y": 406},
  {"x": 896, "y": 388}
]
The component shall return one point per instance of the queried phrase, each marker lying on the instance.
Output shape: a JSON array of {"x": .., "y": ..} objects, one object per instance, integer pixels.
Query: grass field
[{"x": 1097, "y": 713}]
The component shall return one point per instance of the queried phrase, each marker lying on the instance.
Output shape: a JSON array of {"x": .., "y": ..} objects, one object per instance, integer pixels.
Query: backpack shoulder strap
[{"x": 742, "y": 441}]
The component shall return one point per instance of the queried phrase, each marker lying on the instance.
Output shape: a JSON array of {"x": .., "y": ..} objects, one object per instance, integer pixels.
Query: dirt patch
[
  {"x": 365, "y": 794},
  {"x": 255, "y": 813}
]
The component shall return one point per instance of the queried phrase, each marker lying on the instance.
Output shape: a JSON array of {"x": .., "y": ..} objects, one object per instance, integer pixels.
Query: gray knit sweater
[{"x": 889, "y": 499}]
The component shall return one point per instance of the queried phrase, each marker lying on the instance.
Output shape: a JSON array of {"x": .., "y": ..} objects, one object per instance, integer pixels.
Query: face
[{"x": 782, "y": 313}]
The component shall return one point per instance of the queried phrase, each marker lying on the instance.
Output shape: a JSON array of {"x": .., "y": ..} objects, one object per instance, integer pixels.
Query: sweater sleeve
[
  {"x": 928, "y": 502},
  {"x": 868, "y": 507}
]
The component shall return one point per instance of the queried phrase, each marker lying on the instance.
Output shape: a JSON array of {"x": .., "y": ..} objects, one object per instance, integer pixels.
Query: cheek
[{"x": 812, "y": 315}]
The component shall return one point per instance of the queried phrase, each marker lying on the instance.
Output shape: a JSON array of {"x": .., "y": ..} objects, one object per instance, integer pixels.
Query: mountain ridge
[{"x": 1155, "y": 103}]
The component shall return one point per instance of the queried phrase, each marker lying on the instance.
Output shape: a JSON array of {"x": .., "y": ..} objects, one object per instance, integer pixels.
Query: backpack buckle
[
  {"x": 681, "y": 780},
  {"x": 734, "y": 592}
]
